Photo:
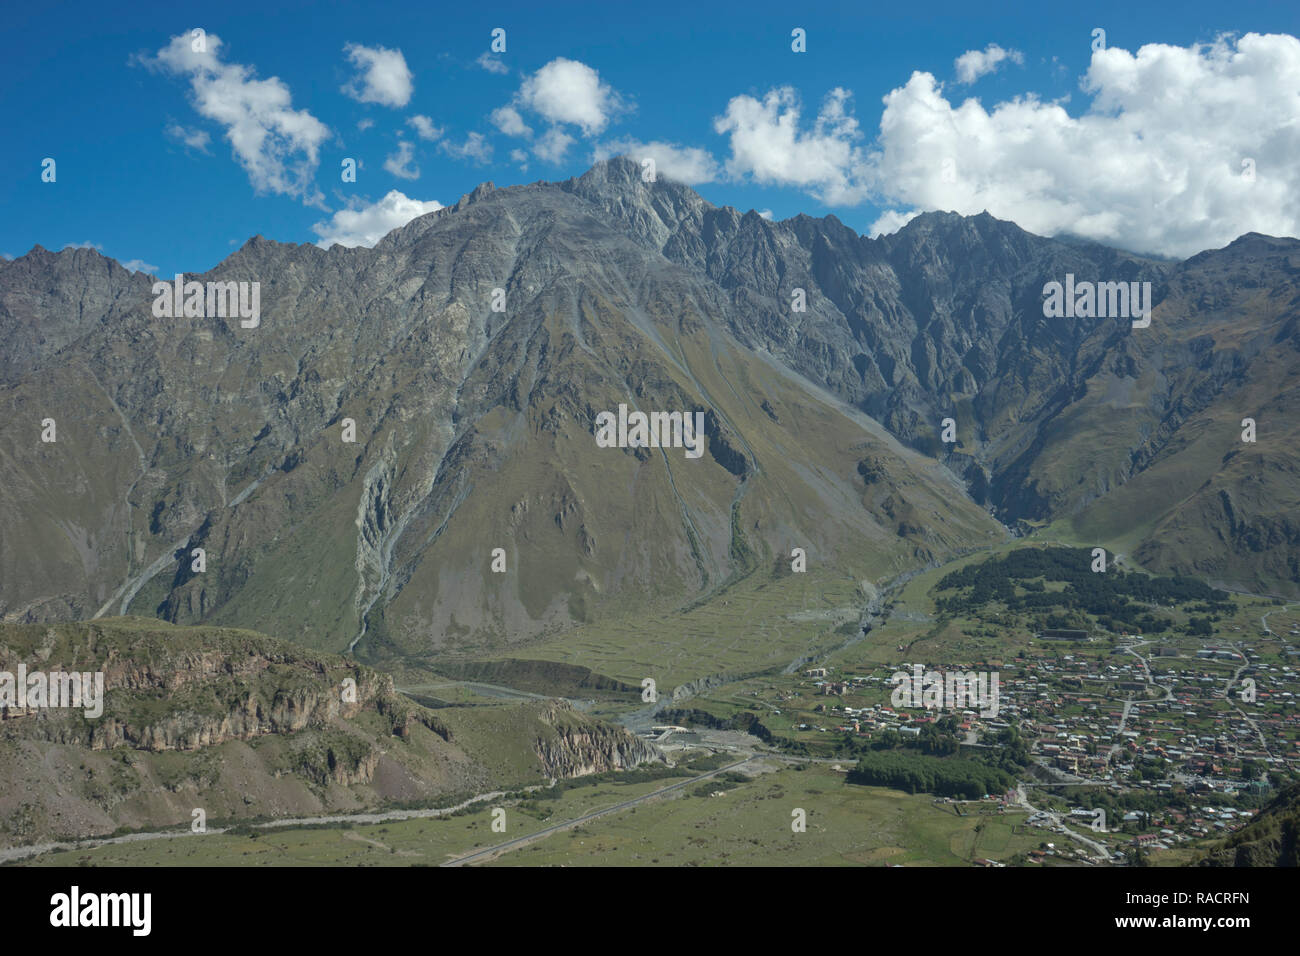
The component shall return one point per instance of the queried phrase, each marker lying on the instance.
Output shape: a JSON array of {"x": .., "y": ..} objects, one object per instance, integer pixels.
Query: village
[{"x": 1192, "y": 735}]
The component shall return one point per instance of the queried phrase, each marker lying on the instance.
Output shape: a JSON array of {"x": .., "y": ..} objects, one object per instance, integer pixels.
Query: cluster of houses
[
  {"x": 1179, "y": 718},
  {"x": 875, "y": 718},
  {"x": 1073, "y": 710}
]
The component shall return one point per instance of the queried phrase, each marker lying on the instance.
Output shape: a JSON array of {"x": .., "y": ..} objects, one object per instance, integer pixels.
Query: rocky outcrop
[
  {"x": 243, "y": 725},
  {"x": 581, "y": 746},
  {"x": 164, "y": 694}
]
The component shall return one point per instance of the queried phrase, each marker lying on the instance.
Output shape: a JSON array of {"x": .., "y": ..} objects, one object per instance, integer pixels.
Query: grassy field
[
  {"x": 758, "y": 624},
  {"x": 750, "y": 825},
  {"x": 788, "y": 705},
  {"x": 426, "y": 841},
  {"x": 847, "y": 825}
]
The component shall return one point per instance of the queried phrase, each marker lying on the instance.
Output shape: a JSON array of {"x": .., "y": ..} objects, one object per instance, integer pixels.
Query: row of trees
[
  {"x": 920, "y": 773},
  {"x": 1116, "y": 598}
]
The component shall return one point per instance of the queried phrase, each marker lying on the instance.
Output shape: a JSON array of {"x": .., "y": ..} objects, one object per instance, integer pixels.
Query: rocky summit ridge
[{"x": 474, "y": 428}]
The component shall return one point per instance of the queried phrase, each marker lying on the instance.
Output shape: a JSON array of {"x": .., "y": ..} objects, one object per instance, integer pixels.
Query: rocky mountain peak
[{"x": 808, "y": 349}]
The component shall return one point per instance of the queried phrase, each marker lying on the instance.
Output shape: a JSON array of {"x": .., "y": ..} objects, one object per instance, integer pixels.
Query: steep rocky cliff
[
  {"x": 241, "y": 725},
  {"x": 575, "y": 748}
]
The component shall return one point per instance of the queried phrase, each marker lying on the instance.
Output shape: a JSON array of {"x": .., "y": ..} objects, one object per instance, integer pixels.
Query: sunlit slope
[
  {"x": 1203, "y": 500},
  {"x": 349, "y": 468},
  {"x": 593, "y": 533}
]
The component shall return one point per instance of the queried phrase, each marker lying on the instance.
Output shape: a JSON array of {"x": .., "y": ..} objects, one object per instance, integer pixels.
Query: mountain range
[{"x": 474, "y": 428}]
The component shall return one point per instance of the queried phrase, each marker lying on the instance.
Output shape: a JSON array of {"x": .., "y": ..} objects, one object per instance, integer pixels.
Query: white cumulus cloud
[
  {"x": 566, "y": 91},
  {"x": 564, "y": 94},
  {"x": 1181, "y": 149},
  {"x": 476, "y": 148},
  {"x": 492, "y": 63},
  {"x": 508, "y": 120},
  {"x": 973, "y": 64},
  {"x": 382, "y": 76},
  {"x": 365, "y": 225},
  {"x": 891, "y": 221},
  {"x": 685, "y": 164},
  {"x": 767, "y": 144},
  {"x": 189, "y": 138},
  {"x": 278, "y": 146},
  {"x": 399, "y": 163},
  {"x": 552, "y": 145},
  {"x": 424, "y": 127}
]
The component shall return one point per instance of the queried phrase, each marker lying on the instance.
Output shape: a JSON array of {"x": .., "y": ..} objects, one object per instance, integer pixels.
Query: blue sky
[{"x": 1179, "y": 134}]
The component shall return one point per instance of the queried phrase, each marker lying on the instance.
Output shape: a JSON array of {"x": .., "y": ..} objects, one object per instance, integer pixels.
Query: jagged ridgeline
[{"x": 475, "y": 429}]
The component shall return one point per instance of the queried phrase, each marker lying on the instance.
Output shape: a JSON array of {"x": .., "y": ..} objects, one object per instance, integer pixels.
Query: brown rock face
[{"x": 578, "y": 750}]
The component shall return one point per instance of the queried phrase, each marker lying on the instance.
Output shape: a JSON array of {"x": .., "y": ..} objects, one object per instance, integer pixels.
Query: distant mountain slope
[
  {"x": 945, "y": 319},
  {"x": 475, "y": 428},
  {"x": 474, "y": 432}
]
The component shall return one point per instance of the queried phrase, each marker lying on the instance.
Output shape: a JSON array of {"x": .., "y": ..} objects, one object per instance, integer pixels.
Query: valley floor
[{"x": 746, "y": 824}]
